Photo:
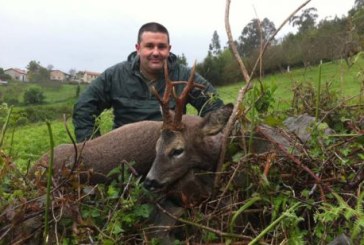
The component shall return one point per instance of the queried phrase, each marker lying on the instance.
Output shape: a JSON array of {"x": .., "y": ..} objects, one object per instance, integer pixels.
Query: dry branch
[{"x": 246, "y": 77}]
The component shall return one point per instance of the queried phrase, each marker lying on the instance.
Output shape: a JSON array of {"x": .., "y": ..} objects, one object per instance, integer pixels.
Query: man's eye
[{"x": 162, "y": 46}]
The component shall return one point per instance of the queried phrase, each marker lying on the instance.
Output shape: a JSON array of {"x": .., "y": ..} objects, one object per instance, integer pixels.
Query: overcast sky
[{"x": 93, "y": 35}]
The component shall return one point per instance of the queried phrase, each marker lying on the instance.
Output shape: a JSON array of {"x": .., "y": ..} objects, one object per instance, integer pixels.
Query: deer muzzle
[{"x": 152, "y": 185}]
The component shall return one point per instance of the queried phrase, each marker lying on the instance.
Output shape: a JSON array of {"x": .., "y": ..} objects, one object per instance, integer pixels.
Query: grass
[
  {"x": 54, "y": 92},
  {"x": 347, "y": 81},
  {"x": 29, "y": 142}
]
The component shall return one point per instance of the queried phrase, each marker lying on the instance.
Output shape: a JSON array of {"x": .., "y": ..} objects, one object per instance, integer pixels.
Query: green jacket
[{"x": 123, "y": 88}]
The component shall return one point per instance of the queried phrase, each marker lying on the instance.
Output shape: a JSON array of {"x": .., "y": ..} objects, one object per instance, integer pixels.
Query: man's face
[{"x": 153, "y": 51}]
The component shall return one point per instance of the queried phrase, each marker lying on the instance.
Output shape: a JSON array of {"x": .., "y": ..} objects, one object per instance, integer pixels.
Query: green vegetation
[
  {"x": 33, "y": 95},
  {"x": 277, "y": 203},
  {"x": 347, "y": 80},
  {"x": 3, "y": 76},
  {"x": 54, "y": 92}
]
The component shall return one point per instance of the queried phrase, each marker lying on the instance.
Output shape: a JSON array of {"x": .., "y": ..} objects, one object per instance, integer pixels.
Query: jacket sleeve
[
  {"x": 89, "y": 106},
  {"x": 205, "y": 100}
]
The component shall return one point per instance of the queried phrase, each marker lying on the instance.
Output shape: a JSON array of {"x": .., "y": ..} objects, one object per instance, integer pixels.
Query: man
[{"x": 126, "y": 86}]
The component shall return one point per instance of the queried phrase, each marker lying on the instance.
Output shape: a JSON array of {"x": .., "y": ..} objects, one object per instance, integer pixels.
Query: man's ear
[
  {"x": 215, "y": 121},
  {"x": 137, "y": 47}
]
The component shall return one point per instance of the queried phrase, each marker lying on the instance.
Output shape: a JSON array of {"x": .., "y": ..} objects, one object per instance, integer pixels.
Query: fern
[{"x": 354, "y": 217}]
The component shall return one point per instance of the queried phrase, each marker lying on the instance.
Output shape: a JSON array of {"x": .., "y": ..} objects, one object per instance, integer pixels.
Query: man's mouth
[{"x": 155, "y": 61}]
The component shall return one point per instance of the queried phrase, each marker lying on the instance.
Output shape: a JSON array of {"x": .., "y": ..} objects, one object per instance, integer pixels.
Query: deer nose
[{"x": 152, "y": 184}]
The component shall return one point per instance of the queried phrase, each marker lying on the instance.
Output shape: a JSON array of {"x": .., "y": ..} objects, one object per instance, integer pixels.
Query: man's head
[{"x": 153, "y": 48}]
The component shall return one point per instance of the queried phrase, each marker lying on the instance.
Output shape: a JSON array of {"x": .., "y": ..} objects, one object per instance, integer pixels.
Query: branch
[
  {"x": 232, "y": 45},
  {"x": 275, "y": 33},
  {"x": 244, "y": 89},
  {"x": 217, "y": 232}
]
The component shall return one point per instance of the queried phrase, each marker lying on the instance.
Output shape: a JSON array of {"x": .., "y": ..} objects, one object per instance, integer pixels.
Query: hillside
[{"x": 347, "y": 81}]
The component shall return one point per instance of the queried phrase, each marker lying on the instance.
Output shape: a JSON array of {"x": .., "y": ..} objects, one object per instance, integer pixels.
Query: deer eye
[{"x": 176, "y": 152}]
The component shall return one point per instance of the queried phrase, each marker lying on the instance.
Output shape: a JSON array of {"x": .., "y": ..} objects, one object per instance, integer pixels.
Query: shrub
[
  {"x": 37, "y": 113},
  {"x": 33, "y": 95}
]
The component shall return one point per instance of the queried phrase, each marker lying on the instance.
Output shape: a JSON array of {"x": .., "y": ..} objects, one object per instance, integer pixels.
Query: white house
[{"x": 17, "y": 74}]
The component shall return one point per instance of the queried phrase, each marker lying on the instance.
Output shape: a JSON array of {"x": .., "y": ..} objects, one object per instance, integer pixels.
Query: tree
[
  {"x": 357, "y": 18},
  {"x": 250, "y": 38},
  {"x": 182, "y": 59},
  {"x": 4, "y": 76},
  {"x": 215, "y": 47},
  {"x": 33, "y": 95},
  {"x": 359, "y": 4},
  {"x": 220, "y": 70},
  {"x": 50, "y": 67},
  {"x": 331, "y": 36},
  {"x": 37, "y": 73},
  {"x": 305, "y": 21},
  {"x": 72, "y": 72},
  {"x": 33, "y": 66},
  {"x": 211, "y": 69}
]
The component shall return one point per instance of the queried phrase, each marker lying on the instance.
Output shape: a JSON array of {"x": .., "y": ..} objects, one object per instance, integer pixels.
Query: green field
[{"x": 347, "y": 81}]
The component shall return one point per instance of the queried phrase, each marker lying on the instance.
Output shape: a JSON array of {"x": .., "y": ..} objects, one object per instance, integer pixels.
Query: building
[
  {"x": 57, "y": 75},
  {"x": 86, "y": 76},
  {"x": 17, "y": 74}
]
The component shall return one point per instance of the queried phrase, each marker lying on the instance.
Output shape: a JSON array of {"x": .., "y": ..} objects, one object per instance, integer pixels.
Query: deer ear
[{"x": 215, "y": 121}]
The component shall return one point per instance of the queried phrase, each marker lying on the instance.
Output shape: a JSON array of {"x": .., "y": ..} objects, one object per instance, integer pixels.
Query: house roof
[
  {"x": 92, "y": 73},
  {"x": 17, "y": 70},
  {"x": 59, "y": 71}
]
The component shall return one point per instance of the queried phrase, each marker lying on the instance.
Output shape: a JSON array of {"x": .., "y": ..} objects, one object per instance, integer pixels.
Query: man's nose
[{"x": 155, "y": 51}]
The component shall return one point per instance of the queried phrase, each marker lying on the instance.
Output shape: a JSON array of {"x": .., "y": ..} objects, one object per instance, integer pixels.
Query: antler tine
[
  {"x": 164, "y": 102},
  {"x": 181, "y": 100},
  {"x": 168, "y": 85},
  {"x": 155, "y": 93}
]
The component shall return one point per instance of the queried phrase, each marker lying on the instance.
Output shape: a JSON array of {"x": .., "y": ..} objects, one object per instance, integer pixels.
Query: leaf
[
  {"x": 117, "y": 229},
  {"x": 115, "y": 171},
  {"x": 95, "y": 213},
  {"x": 143, "y": 210},
  {"x": 113, "y": 192},
  {"x": 108, "y": 242},
  {"x": 238, "y": 156}
]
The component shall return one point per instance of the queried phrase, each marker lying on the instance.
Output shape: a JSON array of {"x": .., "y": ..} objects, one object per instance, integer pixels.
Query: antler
[
  {"x": 164, "y": 102},
  {"x": 168, "y": 122},
  {"x": 181, "y": 100}
]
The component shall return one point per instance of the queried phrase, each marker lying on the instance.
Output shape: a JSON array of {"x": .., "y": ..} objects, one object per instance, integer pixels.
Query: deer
[{"x": 169, "y": 155}]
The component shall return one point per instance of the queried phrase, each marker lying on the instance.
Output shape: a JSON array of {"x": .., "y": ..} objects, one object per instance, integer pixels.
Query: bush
[
  {"x": 11, "y": 100},
  {"x": 33, "y": 95},
  {"x": 38, "y": 113}
]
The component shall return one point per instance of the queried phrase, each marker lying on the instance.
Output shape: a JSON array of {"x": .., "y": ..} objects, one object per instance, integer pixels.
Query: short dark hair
[{"x": 152, "y": 27}]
